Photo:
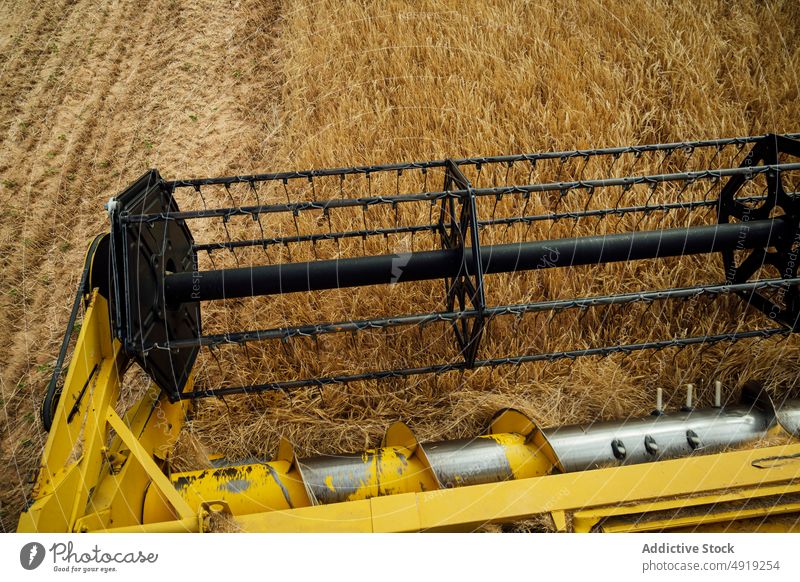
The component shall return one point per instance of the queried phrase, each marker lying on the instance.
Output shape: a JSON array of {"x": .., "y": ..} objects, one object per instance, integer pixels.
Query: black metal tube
[
  {"x": 385, "y": 269},
  {"x": 484, "y": 160},
  {"x": 493, "y": 362},
  {"x": 747, "y": 172},
  {"x": 345, "y": 326}
]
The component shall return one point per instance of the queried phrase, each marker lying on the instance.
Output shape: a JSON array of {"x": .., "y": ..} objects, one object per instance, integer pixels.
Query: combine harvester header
[{"x": 148, "y": 283}]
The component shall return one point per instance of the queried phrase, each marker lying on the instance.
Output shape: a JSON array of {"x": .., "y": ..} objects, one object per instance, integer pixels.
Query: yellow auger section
[
  {"x": 291, "y": 483},
  {"x": 383, "y": 471},
  {"x": 526, "y": 459},
  {"x": 244, "y": 489}
]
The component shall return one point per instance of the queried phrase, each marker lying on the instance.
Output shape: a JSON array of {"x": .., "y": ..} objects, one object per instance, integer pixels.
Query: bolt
[
  {"x": 650, "y": 445},
  {"x": 659, "y": 410},
  {"x": 693, "y": 440}
]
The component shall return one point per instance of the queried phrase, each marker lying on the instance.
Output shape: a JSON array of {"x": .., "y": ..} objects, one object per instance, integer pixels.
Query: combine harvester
[{"x": 108, "y": 469}]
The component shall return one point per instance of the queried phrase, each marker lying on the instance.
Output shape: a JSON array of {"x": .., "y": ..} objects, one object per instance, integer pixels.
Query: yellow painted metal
[
  {"x": 525, "y": 457},
  {"x": 149, "y": 465},
  {"x": 559, "y": 520},
  {"x": 349, "y": 517},
  {"x": 279, "y": 485},
  {"x": 511, "y": 421},
  {"x": 188, "y": 525},
  {"x": 394, "y": 514},
  {"x": 73, "y": 454},
  {"x": 660, "y": 514},
  {"x": 454, "y": 509},
  {"x": 120, "y": 495},
  {"x": 243, "y": 489}
]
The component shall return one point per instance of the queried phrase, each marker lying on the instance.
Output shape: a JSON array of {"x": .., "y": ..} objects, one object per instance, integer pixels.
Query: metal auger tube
[
  {"x": 640, "y": 440},
  {"x": 401, "y": 465}
]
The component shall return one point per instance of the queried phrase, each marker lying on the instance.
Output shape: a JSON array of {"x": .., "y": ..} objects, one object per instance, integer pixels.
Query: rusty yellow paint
[
  {"x": 244, "y": 489},
  {"x": 401, "y": 503},
  {"x": 389, "y": 470},
  {"x": 635, "y": 485}
]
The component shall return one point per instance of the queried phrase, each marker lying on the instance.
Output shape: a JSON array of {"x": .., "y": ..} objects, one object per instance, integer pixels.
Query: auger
[{"x": 145, "y": 287}]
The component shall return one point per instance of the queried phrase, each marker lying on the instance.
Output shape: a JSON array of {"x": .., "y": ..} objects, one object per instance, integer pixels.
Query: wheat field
[{"x": 93, "y": 94}]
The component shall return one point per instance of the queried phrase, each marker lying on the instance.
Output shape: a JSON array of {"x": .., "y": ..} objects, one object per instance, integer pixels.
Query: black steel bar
[
  {"x": 315, "y": 237},
  {"x": 618, "y": 211},
  {"x": 552, "y": 216},
  {"x": 294, "y": 207},
  {"x": 427, "y": 265},
  {"x": 531, "y": 157},
  {"x": 477, "y": 296},
  {"x": 628, "y": 181},
  {"x": 311, "y": 330},
  {"x": 494, "y": 362}
]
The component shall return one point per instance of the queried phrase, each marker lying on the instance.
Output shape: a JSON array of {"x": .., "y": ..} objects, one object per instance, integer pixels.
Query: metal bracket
[
  {"x": 142, "y": 255},
  {"x": 458, "y": 223},
  {"x": 783, "y": 258}
]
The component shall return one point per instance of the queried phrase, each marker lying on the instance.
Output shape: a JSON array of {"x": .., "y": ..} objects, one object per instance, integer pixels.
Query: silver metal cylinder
[
  {"x": 639, "y": 440},
  {"x": 468, "y": 462},
  {"x": 332, "y": 479},
  {"x": 458, "y": 463},
  {"x": 788, "y": 413}
]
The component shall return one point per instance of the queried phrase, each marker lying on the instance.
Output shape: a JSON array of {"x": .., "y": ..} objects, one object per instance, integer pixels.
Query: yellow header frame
[{"x": 98, "y": 469}]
